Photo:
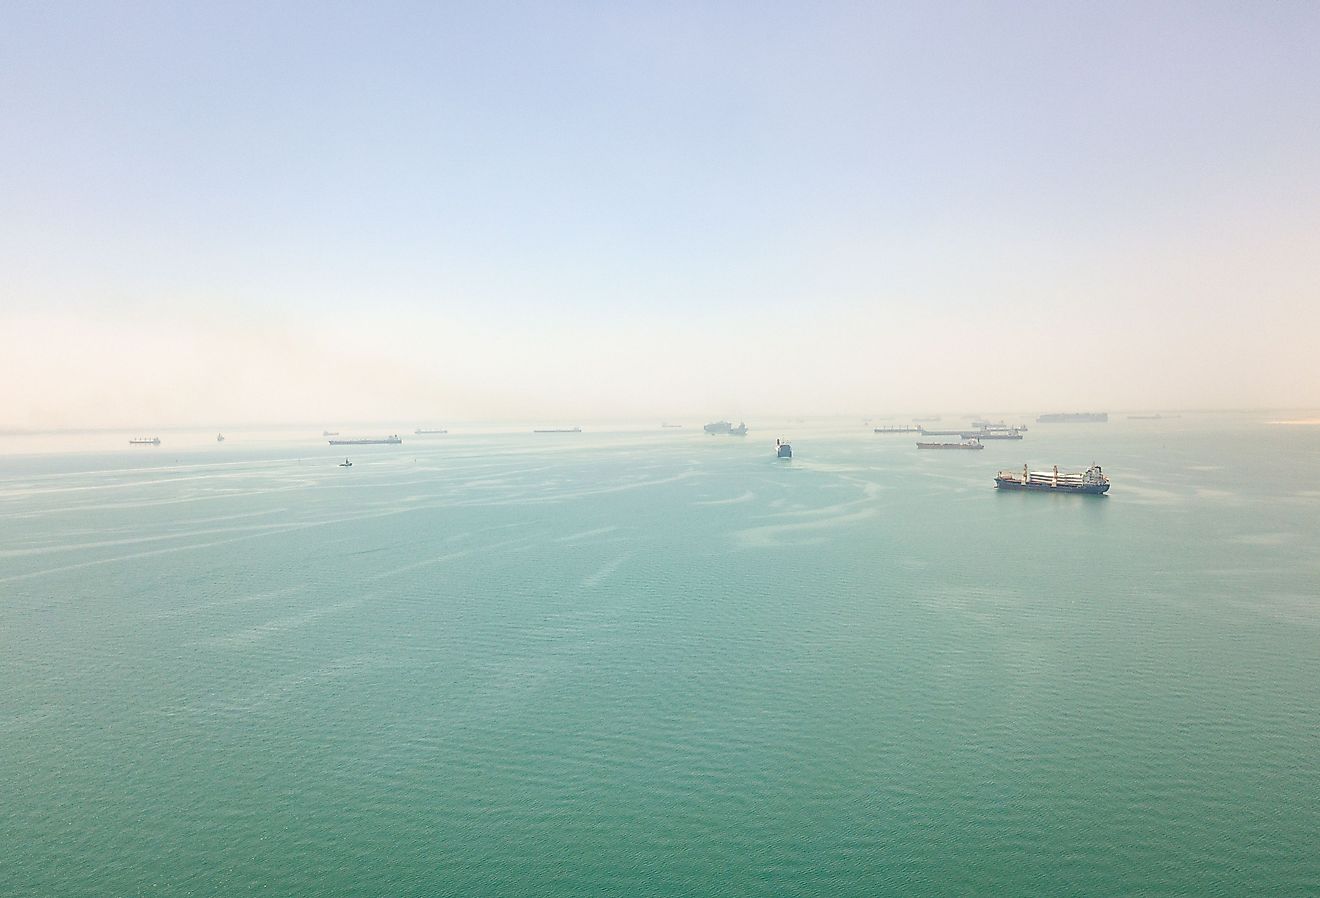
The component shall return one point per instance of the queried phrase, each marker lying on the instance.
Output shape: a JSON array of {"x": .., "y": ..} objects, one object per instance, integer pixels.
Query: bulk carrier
[
  {"x": 392, "y": 440},
  {"x": 991, "y": 435},
  {"x": 1093, "y": 482},
  {"x": 966, "y": 444}
]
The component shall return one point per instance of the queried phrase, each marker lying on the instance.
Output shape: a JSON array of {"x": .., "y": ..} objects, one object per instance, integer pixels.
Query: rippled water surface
[{"x": 659, "y": 663}]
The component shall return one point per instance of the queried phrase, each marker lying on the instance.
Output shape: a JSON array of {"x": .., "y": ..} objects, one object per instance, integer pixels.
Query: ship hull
[
  {"x": 365, "y": 442},
  {"x": 1091, "y": 489}
]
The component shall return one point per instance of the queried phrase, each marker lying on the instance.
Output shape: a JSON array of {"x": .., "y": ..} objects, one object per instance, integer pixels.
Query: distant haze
[{"x": 217, "y": 213}]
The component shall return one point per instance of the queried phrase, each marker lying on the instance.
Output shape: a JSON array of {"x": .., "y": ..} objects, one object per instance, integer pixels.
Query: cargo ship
[
  {"x": 724, "y": 427},
  {"x": 966, "y": 444},
  {"x": 1093, "y": 481},
  {"x": 329, "y": 433},
  {"x": 783, "y": 450},
  {"x": 1074, "y": 418},
  {"x": 420, "y": 432},
  {"x": 900, "y": 428},
  {"x": 391, "y": 440},
  {"x": 144, "y": 441},
  {"x": 559, "y": 430},
  {"x": 991, "y": 435}
]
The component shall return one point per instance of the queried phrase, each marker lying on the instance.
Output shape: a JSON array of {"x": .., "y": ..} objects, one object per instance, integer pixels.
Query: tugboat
[
  {"x": 1094, "y": 482},
  {"x": 345, "y": 464},
  {"x": 783, "y": 450}
]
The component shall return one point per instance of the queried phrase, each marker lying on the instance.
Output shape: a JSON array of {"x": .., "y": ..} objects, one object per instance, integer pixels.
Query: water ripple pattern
[{"x": 660, "y": 664}]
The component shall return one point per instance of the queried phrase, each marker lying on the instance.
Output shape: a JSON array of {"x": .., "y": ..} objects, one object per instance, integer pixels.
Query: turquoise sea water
[{"x": 659, "y": 663}]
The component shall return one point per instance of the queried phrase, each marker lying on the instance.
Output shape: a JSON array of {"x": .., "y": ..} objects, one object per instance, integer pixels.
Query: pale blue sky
[{"x": 568, "y": 208}]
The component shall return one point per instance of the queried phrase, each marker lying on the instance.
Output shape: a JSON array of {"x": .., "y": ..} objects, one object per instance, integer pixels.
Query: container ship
[
  {"x": 559, "y": 430},
  {"x": 966, "y": 444},
  {"x": 724, "y": 427},
  {"x": 392, "y": 440},
  {"x": 144, "y": 441},
  {"x": 1074, "y": 418},
  {"x": 900, "y": 428},
  {"x": 1093, "y": 481}
]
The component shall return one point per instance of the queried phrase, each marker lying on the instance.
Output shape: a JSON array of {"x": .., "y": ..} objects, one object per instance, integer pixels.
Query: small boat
[
  {"x": 219, "y": 437},
  {"x": 345, "y": 464},
  {"x": 783, "y": 450}
]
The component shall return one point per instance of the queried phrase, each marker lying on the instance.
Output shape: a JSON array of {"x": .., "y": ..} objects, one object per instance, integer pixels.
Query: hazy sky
[{"x": 234, "y": 213}]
